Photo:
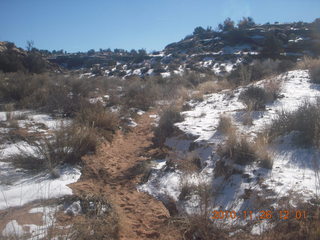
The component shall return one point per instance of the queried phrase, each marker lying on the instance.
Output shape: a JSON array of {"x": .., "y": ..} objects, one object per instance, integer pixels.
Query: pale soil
[{"x": 112, "y": 173}]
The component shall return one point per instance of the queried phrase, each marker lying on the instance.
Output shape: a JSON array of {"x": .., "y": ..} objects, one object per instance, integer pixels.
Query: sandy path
[{"x": 113, "y": 172}]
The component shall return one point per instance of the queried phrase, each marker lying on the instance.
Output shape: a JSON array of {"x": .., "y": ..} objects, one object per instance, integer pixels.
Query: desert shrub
[
  {"x": 95, "y": 116},
  {"x": 213, "y": 86},
  {"x": 246, "y": 22},
  {"x": 99, "y": 220},
  {"x": 263, "y": 69},
  {"x": 314, "y": 70},
  {"x": 35, "y": 63},
  {"x": 189, "y": 162},
  {"x": 227, "y": 25},
  {"x": 305, "y": 122},
  {"x": 273, "y": 89},
  {"x": 11, "y": 60},
  {"x": 307, "y": 63},
  {"x": 199, "y": 225},
  {"x": 245, "y": 73},
  {"x": 48, "y": 92},
  {"x": 66, "y": 145},
  {"x": 265, "y": 158},
  {"x": 247, "y": 119},
  {"x": 225, "y": 124},
  {"x": 273, "y": 46},
  {"x": 243, "y": 152},
  {"x": 259, "y": 69},
  {"x": 165, "y": 126},
  {"x": 187, "y": 189},
  {"x": 61, "y": 101},
  {"x": 255, "y": 98},
  {"x": 14, "y": 87},
  {"x": 208, "y": 87},
  {"x": 140, "y": 94},
  {"x": 240, "y": 151}
]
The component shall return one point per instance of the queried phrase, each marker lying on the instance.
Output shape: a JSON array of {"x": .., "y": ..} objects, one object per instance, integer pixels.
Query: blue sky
[{"x": 79, "y": 25}]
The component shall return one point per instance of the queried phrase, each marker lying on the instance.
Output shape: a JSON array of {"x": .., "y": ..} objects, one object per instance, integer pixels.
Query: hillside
[
  {"x": 217, "y": 136},
  {"x": 205, "y": 51}
]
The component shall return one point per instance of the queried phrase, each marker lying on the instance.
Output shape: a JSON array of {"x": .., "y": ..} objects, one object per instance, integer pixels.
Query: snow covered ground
[
  {"x": 28, "y": 188},
  {"x": 19, "y": 187},
  {"x": 32, "y": 231},
  {"x": 293, "y": 169}
]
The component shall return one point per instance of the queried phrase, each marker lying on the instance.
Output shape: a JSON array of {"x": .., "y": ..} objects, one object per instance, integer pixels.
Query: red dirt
[{"x": 111, "y": 172}]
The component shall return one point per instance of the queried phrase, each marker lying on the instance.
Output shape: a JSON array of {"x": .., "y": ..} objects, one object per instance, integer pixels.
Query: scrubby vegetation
[
  {"x": 98, "y": 101},
  {"x": 303, "y": 123},
  {"x": 240, "y": 150},
  {"x": 99, "y": 220},
  {"x": 14, "y": 60},
  {"x": 66, "y": 145},
  {"x": 225, "y": 124},
  {"x": 314, "y": 70},
  {"x": 260, "y": 69},
  {"x": 96, "y": 117},
  {"x": 255, "y": 98},
  {"x": 140, "y": 94},
  {"x": 165, "y": 126}
]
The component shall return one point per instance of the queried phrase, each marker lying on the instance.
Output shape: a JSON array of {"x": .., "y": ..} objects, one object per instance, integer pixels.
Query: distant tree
[
  {"x": 316, "y": 24},
  {"x": 133, "y": 52},
  {"x": 10, "y": 45},
  {"x": 246, "y": 22},
  {"x": 228, "y": 25},
  {"x": 91, "y": 52},
  {"x": 272, "y": 46},
  {"x": 118, "y": 50},
  {"x": 198, "y": 31},
  {"x": 209, "y": 29},
  {"x": 30, "y": 45},
  {"x": 142, "y": 52}
]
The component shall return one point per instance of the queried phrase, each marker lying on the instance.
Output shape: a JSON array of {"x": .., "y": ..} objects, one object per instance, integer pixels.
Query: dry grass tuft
[
  {"x": 305, "y": 122},
  {"x": 255, "y": 98},
  {"x": 243, "y": 152},
  {"x": 165, "y": 127},
  {"x": 225, "y": 124},
  {"x": 66, "y": 145},
  {"x": 96, "y": 117},
  {"x": 100, "y": 220}
]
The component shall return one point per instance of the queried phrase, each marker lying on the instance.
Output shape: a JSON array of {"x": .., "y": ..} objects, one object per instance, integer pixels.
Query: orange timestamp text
[{"x": 260, "y": 215}]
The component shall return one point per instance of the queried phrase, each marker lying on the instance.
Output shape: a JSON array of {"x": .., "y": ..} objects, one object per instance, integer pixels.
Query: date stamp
[{"x": 260, "y": 215}]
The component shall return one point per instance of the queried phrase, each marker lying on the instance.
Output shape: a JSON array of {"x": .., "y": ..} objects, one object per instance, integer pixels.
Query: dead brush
[
  {"x": 189, "y": 162},
  {"x": 304, "y": 122},
  {"x": 225, "y": 124},
  {"x": 141, "y": 94},
  {"x": 303, "y": 221},
  {"x": 99, "y": 220},
  {"x": 273, "y": 89},
  {"x": 243, "y": 152},
  {"x": 265, "y": 158},
  {"x": 307, "y": 62},
  {"x": 208, "y": 87},
  {"x": 255, "y": 98},
  {"x": 96, "y": 117},
  {"x": 66, "y": 145},
  {"x": 166, "y": 128},
  {"x": 187, "y": 189},
  {"x": 314, "y": 71},
  {"x": 199, "y": 225},
  {"x": 313, "y": 65}
]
